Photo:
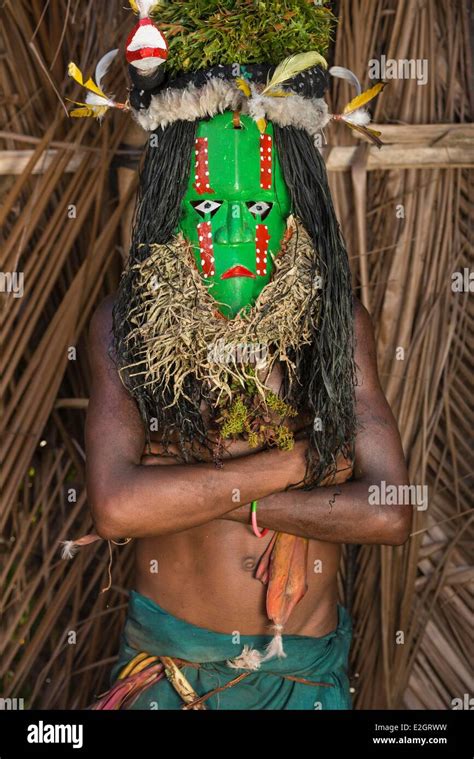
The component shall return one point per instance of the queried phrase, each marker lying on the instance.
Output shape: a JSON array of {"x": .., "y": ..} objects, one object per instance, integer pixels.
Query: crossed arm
[
  {"x": 343, "y": 513},
  {"x": 129, "y": 499}
]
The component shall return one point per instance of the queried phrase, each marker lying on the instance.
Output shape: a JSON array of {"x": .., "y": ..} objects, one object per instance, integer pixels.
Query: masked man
[{"x": 236, "y": 418}]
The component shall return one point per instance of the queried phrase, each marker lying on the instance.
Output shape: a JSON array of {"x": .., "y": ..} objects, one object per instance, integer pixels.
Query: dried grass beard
[{"x": 177, "y": 332}]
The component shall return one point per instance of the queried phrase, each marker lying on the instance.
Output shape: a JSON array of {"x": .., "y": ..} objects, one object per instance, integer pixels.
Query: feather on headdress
[
  {"x": 355, "y": 114},
  {"x": 97, "y": 103},
  {"x": 284, "y": 72}
]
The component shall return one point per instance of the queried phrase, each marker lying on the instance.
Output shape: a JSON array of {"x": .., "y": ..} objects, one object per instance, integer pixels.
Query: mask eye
[
  {"x": 205, "y": 207},
  {"x": 259, "y": 208}
]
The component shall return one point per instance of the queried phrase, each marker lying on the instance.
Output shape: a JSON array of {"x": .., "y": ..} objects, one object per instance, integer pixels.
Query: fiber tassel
[
  {"x": 249, "y": 659},
  {"x": 252, "y": 659},
  {"x": 71, "y": 547},
  {"x": 275, "y": 647}
]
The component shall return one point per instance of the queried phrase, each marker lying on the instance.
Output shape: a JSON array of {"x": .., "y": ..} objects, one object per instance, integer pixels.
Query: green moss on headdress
[{"x": 204, "y": 33}]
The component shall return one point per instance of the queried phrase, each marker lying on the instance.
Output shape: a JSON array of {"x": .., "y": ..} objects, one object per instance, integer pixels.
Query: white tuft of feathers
[
  {"x": 145, "y": 7},
  {"x": 252, "y": 659},
  {"x": 275, "y": 647},
  {"x": 342, "y": 73},
  {"x": 249, "y": 659},
  {"x": 218, "y": 95},
  {"x": 69, "y": 549},
  {"x": 93, "y": 99},
  {"x": 360, "y": 117}
]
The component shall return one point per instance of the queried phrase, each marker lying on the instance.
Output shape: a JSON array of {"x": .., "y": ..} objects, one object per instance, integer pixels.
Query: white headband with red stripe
[{"x": 146, "y": 46}]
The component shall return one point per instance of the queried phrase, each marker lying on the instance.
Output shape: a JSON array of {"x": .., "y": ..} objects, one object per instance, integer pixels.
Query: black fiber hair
[
  {"x": 163, "y": 181},
  {"x": 326, "y": 367}
]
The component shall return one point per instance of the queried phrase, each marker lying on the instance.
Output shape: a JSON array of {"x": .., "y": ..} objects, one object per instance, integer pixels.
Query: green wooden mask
[{"x": 235, "y": 210}]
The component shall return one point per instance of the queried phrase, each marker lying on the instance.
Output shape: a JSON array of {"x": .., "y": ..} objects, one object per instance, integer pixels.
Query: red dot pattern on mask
[
  {"x": 202, "y": 183},
  {"x": 266, "y": 162},
  {"x": 206, "y": 248},
  {"x": 262, "y": 239}
]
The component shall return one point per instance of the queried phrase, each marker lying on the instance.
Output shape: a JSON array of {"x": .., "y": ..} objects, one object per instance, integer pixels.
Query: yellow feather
[
  {"x": 91, "y": 85},
  {"x": 243, "y": 85},
  {"x": 364, "y": 98},
  {"x": 280, "y": 94},
  {"x": 77, "y": 102},
  {"x": 375, "y": 132},
  {"x": 292, "y": 66},
  {"x": 75, "y": 73},
  {"x": 136, "y": 9},
  {"x": 262, "y": 125},
  {"x": 372, "y": 134},
  {"x": 96, "y": 111},
  {"x": 82, "y": 113}
]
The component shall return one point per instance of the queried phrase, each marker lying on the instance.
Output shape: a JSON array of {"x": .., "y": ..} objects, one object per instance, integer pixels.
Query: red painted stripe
[
  {"x": 206, "y": 248},
  {"x": 266, "y": 161},
  {"x": 147, "y": 52},
  {"x": 201, "y": 175},
  {"x": 262, "y": 239}
]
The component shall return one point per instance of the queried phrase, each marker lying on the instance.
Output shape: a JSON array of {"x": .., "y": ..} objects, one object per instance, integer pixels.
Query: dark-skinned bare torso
[
  {"x": 206, "y": 574},
  {"x": 188, "y": 524},
  {"x": 183, "y": 522}
]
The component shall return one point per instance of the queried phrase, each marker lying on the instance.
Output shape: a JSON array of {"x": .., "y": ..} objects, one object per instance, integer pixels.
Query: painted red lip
[{"x": 238, "y": 271}]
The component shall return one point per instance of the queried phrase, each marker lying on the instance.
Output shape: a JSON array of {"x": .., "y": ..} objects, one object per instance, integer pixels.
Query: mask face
[{"x": 235, "y": 209}]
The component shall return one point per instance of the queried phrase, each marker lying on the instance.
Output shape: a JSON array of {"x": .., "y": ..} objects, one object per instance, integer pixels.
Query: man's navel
[{"x": 249, "y": 563}]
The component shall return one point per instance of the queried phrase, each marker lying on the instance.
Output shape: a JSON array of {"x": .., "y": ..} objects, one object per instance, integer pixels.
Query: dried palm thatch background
[{"x": 59, "y": 633}]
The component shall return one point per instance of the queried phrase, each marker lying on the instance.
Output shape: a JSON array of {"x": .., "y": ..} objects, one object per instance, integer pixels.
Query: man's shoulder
[
  {"x": 364, "y": 336},
  {"x": 101, "y": 324},
  {"x": 362, "y": 319},
  {"x": 365, "y": 347}
]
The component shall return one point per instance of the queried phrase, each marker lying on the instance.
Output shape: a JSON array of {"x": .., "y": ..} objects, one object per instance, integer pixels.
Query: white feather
[
  {"x": 275, "y": 647},
  {"x": 145, "y": 7},
  {"x": 249, "y": 659},
  {"x": 361, "y": 117},
  {"x": 103, "y": 66},
  {"x": 69, "y": 549},
  {"x": 341, "y": 73},
  {"x": 93, "y": 99}
]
